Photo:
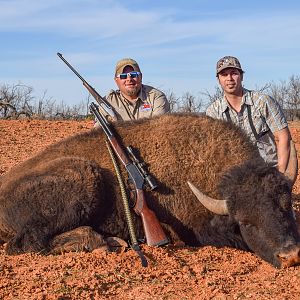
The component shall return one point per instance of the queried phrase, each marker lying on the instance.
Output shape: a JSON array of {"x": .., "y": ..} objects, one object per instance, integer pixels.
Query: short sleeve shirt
[
  {"x": 267, "y": 118},
  {"x": 150, "y": 102}
]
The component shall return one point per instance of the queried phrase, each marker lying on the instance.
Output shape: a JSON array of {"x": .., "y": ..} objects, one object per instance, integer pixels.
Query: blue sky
[{"x": 176, "y": 43}]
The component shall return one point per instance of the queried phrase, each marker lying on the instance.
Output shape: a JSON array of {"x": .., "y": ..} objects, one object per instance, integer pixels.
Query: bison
[{"x": 71, "y": 184}]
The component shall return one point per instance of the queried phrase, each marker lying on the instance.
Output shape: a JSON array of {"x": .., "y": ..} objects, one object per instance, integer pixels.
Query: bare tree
[
  {"x": 186, "y": 103},
  {"x": 287, "y": 94},
  {"x": 172, "y": 99},
  {"x": 189, "y": 103},
  {"x": 43, "y": 107},
  {"x": 293, "y": 96},
  {"x": 212, "y": 97},
  {"x": 15, "y": 100},
  {"x": 278, "y": 92}
]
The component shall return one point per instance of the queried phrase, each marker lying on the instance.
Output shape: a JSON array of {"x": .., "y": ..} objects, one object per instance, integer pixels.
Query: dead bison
[{"x": 72, "y": 184}]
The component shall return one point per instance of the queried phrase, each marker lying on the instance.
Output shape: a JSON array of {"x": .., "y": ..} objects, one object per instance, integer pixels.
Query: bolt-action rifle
[
  {"x": 104, "y": 106},
  {"x": 154, "y": 233}
]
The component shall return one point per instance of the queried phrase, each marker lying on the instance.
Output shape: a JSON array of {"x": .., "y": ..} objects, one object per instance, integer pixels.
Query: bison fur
[{"x": 72, "y": 184}]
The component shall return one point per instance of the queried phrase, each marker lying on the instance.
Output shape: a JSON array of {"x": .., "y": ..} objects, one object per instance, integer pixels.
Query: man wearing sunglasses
[
  {"x": 134, "y": 100},
  {"x": 258, "y": 114}
]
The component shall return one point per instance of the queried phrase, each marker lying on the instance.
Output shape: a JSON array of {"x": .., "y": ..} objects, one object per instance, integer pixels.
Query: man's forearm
[
  {"x": 283, "y": 148},
  {"x": 283, "y": 157}
]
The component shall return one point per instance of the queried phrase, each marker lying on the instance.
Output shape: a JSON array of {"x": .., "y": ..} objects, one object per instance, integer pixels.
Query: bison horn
[
  {"x": 218, "y": 207},
  {"x": 291, "y": 171}
]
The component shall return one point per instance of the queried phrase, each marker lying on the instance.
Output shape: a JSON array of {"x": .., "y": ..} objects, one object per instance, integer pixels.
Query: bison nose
[{"x": 290, "y": 258}]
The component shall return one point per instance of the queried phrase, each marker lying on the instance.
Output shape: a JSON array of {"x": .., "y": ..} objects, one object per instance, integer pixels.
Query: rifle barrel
[
  {"x": 103, "y": 104},
  {"x": 67, "y": 63},
  {"x": 103, "y": 122}
]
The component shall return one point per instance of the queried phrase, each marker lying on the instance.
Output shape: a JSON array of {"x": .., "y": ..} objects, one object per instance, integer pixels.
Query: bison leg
[
  {"x": 32, "y": 238},
  {"x": 83, "y": 238},
  {"x": 55, "y": 197}
]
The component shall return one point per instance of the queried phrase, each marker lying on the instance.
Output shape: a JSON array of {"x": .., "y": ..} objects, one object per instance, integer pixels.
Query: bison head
[{"x": 258, "y": 200}]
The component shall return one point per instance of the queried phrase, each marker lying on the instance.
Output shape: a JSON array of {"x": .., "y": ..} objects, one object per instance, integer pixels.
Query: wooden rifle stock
[{"x": 154, "y": 233}]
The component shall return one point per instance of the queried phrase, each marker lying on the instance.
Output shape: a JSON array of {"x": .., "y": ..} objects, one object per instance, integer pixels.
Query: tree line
[{"x": 18, "y": 101}]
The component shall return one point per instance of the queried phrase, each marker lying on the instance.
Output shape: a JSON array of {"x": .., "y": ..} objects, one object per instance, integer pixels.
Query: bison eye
[{"x": 245, "y": 224}]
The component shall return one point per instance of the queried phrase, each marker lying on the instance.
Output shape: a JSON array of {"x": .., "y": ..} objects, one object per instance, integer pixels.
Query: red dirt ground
[{"x": 182, "y": 273}]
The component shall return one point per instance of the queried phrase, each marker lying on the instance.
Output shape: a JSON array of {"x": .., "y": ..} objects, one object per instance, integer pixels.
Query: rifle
[
  {"x": 154, "y": 233},
  {"x": 105, "y": 108}
]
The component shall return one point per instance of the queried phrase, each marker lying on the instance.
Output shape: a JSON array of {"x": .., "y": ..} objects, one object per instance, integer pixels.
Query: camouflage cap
[
  {"x": 228, "y": 62},
  {"x": 121, "y": 64}
]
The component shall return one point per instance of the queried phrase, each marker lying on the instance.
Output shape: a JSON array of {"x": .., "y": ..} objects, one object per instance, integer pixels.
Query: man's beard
[{"x": 133, "y": 91}]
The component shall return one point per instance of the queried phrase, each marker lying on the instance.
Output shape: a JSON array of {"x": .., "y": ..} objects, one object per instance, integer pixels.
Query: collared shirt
[
  {"x": 267, "y": 118},
  {"x": 150, "y": 102}
]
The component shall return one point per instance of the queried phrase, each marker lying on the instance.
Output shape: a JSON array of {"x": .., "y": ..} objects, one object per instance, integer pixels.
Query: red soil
[{"x": 182, "y": 273}]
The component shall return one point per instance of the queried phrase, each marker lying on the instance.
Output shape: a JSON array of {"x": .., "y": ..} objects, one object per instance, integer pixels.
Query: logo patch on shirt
[{"x": 145, "y": 107}]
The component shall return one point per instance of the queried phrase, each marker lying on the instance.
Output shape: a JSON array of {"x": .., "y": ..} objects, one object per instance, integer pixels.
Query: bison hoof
[{"x": 116, "y": 244}]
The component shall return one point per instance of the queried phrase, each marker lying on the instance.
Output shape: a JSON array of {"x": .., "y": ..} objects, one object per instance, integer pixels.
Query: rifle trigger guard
[{"x": 132, "y": 198}]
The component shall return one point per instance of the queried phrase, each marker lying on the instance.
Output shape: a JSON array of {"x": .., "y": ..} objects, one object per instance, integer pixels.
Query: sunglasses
[{"x": 131, "y": 74}]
